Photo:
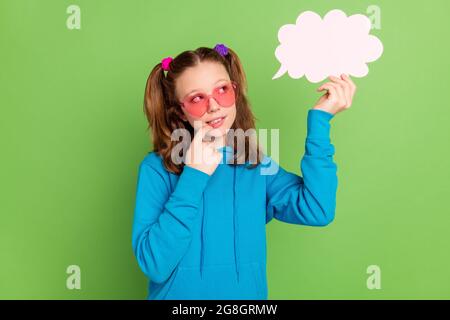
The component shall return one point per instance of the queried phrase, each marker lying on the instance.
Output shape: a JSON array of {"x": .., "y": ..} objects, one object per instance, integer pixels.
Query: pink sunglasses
[{"x": 198, "y": 103}]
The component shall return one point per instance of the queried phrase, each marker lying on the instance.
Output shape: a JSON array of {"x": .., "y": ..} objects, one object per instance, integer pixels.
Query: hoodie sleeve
[
  {"x": 162, "y": 227},
  {"x": 311, "y": 199}
]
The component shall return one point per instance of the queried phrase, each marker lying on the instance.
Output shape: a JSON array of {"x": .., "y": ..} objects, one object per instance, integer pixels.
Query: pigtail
[
  {"x": 247, "y": 119},
  {"x": 236, "y": 70},
  {"x": 154, "y": 108}
]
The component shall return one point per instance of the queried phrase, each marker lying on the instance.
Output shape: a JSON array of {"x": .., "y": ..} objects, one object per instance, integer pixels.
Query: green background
[{"x": 73, "y": 133}]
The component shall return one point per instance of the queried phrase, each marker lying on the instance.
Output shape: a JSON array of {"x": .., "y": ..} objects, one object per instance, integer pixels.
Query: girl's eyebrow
[{"x": 201, "y": 90}]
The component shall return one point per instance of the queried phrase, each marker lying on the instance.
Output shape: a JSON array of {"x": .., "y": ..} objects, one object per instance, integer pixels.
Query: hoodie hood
[{"x": 227, "y": 157}]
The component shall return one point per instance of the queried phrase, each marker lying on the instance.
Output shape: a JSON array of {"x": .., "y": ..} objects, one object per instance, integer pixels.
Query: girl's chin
[{"x": 217, "y": 132}]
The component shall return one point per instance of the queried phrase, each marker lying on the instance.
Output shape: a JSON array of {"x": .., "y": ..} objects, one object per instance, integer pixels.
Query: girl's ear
[{"x": 183, "y": 117}]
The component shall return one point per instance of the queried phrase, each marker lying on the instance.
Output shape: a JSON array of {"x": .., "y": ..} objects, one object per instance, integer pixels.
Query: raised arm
[{"x": 311, "y": 199}]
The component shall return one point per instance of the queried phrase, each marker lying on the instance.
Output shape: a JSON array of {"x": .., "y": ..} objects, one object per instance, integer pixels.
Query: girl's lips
[{"x": 217, "y": 122}]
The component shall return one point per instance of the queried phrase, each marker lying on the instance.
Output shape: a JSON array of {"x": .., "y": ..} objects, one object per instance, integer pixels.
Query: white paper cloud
[{"x": 318, "y": 48}]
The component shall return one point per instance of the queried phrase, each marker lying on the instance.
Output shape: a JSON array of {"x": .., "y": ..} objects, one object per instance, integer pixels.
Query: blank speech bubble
[{"x": 317, "y": 48}]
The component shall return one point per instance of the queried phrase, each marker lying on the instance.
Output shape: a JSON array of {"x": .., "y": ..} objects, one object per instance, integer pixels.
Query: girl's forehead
[{"x": 202, "y": 77}]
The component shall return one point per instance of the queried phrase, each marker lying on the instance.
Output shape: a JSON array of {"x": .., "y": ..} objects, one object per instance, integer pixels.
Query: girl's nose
[{"x": 213, "y": 105}]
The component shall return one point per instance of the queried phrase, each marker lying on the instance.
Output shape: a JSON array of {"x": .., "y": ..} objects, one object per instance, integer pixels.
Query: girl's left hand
[{"x": 339, "y": 95}]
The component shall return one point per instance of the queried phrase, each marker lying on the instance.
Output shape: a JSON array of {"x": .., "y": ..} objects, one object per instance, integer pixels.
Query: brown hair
[{"x": 163, "y": 111}]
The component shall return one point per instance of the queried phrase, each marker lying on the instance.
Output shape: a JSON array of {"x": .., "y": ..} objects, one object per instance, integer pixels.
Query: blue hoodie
[{"x": 198, "y": 236}]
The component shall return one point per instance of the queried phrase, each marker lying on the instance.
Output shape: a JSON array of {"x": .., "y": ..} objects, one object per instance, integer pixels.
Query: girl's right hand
[
  {"x": 339, "y": 94},
  {"x": 202, "y": 155}
]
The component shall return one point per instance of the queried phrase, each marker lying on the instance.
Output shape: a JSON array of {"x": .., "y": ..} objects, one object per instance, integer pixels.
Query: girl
[{"x": 199, "y": 224}]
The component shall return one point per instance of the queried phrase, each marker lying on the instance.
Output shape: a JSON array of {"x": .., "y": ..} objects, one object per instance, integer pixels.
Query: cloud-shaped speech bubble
[{"x": 319, "y": 48}]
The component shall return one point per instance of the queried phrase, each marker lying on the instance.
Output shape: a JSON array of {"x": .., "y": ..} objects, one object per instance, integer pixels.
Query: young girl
[{"x": 199, "y": 224}]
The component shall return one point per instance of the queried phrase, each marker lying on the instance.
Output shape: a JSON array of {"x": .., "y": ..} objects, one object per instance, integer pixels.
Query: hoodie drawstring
[
  {"x": 202, "y": 244},
  {"x": 235, "y": 229},
  {"x": 235, "y": 226}
]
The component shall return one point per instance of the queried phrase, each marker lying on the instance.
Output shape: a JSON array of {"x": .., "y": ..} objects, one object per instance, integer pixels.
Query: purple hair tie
[{"x": 222, "y": 49}]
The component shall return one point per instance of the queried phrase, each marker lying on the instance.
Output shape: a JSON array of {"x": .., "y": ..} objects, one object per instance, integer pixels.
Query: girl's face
[{"x": 205, "y": 77}]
